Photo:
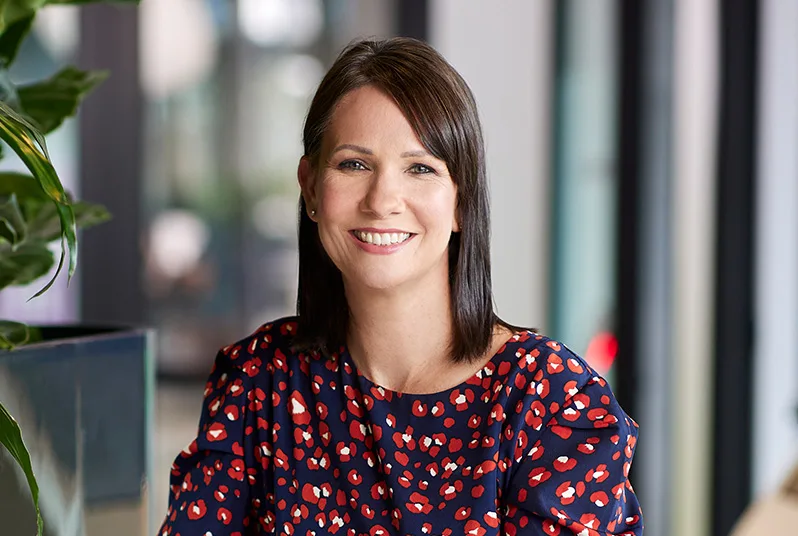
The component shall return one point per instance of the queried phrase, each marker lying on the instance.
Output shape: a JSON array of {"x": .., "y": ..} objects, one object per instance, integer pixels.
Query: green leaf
[
  {"x": 12, "y": 11},
  {"x": 46, "y": 225},
  {"x": 24, "y": 186},
  {"x": 25, "y": 264},
  {"x": 13, "y": 334},
  {"x": 51, "y": 101},
  {"x": 12, "y": 37},
  {"x": 34, "y": 335},
  {"x": 69, "y": 232},
  {"x": 11, "y": 439},
  {"x": 90, "y": 214},
  {"x": 30, "y": 146},
  {"x": 52, "y": 280},
  {"x": 12, "y": 224},
  {"x": 8, "y": 90}
]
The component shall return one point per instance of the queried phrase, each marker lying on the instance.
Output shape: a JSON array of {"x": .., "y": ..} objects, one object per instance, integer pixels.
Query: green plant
[{"x": 35, "y": 210}]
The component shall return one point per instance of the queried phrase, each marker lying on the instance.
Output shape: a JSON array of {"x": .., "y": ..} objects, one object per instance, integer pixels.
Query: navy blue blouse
[{"x": 533, "y": 443}]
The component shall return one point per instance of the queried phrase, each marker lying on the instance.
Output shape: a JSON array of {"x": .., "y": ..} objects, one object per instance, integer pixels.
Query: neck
[{"x": 398, "y": 338}]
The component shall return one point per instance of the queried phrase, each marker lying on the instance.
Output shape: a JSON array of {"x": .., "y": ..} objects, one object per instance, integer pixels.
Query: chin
[
  {"x": 378, "y": 279},
  {"x": 382, "y": 282}
]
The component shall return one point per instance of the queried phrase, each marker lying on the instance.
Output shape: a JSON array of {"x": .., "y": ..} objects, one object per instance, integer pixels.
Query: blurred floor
[{"x": 177, "y": 412}]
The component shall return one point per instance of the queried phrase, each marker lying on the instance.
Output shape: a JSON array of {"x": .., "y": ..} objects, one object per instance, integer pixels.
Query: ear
[
  {"x": 456, "y": 219},
  {"x": 307, "y": 183}
]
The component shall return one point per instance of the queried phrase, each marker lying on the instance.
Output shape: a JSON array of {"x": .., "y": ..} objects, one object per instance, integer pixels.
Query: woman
[{"x": 397, "y": 402}]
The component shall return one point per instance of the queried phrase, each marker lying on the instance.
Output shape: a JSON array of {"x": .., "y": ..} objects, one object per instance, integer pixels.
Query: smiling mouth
[{"x": 381, "y": 239}]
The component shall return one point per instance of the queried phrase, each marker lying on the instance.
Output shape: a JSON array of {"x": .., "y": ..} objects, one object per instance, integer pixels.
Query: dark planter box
[{"x": 84, "y": 400}]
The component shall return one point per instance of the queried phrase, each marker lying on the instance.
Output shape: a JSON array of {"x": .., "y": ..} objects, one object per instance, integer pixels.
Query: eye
[
  {"x": 421, "y": 169},
  {"x": 354, "y": 165}
]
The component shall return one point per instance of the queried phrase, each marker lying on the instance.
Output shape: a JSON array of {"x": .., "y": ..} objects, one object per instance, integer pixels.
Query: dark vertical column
[
  {"x": 559, "y": 134},
  {"x": 630, "y": 133},
  {"x": 229, "y": 98},
  {"x": 734, "y": 257},
  {"x": 644, "y": 255},
  {"x": 110, "y": 261},
  {"x": 413, "y": 19}
]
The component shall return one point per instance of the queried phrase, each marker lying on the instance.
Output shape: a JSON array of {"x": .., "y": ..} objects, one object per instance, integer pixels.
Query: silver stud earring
[{"x": 313, "y": 213}]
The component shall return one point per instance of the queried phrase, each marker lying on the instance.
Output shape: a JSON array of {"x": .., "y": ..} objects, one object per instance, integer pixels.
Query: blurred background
[{"x": 644, "y": 180}]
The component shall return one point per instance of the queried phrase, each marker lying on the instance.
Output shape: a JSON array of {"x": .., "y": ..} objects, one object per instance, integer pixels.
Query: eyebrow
[
  {"x": 365, "y": 150},
  {"x": 356, "y": 148},
  {"x": 414, "y": 154}
]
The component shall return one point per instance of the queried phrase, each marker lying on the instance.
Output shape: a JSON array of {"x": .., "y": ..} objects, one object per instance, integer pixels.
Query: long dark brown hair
[{"x": 443, "y": 114}]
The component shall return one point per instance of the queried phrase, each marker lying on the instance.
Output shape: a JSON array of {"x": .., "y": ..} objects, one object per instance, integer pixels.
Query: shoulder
[
  {"x": 541, "y": 357},
  {"x": 269, "y": 346},
  {"x": 547, "y": 371},
  {"x": 275, "y": 334}
]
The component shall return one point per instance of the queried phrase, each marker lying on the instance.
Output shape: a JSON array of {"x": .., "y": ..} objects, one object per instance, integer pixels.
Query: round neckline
[{"x": 494, "y": 360}]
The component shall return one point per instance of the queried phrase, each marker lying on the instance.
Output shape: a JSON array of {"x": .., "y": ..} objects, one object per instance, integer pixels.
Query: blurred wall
[{"x": 505, "y": 54}]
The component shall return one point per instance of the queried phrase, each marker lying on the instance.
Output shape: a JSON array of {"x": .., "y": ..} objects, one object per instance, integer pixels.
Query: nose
[{"x": 384, "y": 195}]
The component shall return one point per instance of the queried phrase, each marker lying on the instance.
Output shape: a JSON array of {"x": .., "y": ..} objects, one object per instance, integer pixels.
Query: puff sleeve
[
  {"x": 573, "y": 478},
  {"x": 211, "y": 480}
]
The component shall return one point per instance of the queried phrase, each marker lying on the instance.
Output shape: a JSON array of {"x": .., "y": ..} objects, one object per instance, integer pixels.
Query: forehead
[{"x": 368, "y": 114}]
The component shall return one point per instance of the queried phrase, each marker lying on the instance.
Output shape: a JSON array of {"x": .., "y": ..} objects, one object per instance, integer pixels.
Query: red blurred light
[{"x": 601, "y": 351}]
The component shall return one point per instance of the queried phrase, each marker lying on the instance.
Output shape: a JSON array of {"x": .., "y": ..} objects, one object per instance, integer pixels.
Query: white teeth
[{"x": 382, "y": 239}]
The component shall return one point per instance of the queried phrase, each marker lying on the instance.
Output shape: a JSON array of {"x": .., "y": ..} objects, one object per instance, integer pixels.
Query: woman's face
[{"x": 385, "y": 207}]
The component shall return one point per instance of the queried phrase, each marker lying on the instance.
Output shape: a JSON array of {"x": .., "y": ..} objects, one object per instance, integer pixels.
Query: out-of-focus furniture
[
  {"x": 83, "y": 400},
  {"x": 773, "y": 514}
]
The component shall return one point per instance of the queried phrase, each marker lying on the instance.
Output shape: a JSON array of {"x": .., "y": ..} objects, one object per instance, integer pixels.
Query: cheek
[
  {"x": 335, "y": 212},
  {"x": 439, "y": 211},
  {"x": 336, "y": 200}
]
